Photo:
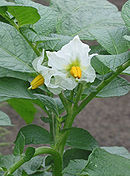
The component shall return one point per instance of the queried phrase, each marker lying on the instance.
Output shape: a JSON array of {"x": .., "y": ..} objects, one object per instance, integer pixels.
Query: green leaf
[
  {"x": 54, "y": 42},
  {"x": 47, "y": 23},
  {"x": 4, "y": 72},
  {"x": 81, "y": 139},
  {"x": 33, "y": 165},
  {"x": 103, "y": 63},
  {"x": 34, "y": 135},
  {"x": 48, "y": 102},
  {"x": 99, "y": 66},
  {"x": 24, "y": 108},
  {"x": 4, "y": 119},
  {"x": 15, "y": 54},
  {"x": 126, "y": 13},
  {"x": 111, "y": 38},
  {"x": 75, "y": 167},
  {"x": 14, "y": 88},
  {"x": 29, "y": 167},
  {"x": 72, "y": 154},
  {"x": 24, "y": 173},
  {"x": 19, "y": 145},
  {"x": 8, "y": 160},
  {"x": 121, "y": 151},
  {"x": 77, "y": 17},
  {"x": 29, "y": 153},
  {"x": 24, "y": 15},
  {"x": 103, "y": 163},
  {"x": 117, "y": 87}
]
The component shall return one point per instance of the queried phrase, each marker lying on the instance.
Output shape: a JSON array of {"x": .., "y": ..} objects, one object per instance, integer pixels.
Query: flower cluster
[{"x": 66, "y": 67}]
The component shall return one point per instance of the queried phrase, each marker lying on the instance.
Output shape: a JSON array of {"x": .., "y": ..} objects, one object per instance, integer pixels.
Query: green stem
[
  {"x": 73, "y": 112},
  {"x": 102, "y": 85},
  {"x": 18, "y": 29},
  {"x": 57, "y": 170},
  {"x": 64, "y": 101},
  {"x": 80, "y": 89}
]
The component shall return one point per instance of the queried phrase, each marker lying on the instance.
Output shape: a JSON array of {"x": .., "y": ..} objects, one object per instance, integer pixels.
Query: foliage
[{"x": 29, "y": 32}]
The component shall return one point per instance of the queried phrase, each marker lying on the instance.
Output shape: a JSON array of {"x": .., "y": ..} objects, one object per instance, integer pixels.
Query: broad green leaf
[
  {"x": 29, "y": 153},
  {"x": 34, "y": 135},
  {"x": 24, "y": 108},
  {"x": 29, "y": 167},
  {"x": 72, "y": 154},
  {"x": 47, "y": 23},
  {"x": 104, "y": 63},
  {"x": 14, "y": 88},
  {"x": 117, "y": 87},
  {"x": 23, "y": 14},
  {"x": 112, "y": 61},
  {"x": 33, "y": 165},
  {"x": 4, "y": 72},
  {"x": 111, "y": 38},
  {"x": 15, "y": 54},
  {"x": 4, "y": 119},
  {"x": 74, "y": 168},
  {"x": 99, "y": 66},
  {"x": 54, "y": 42},
  {"x": 7, "y": 160},
  {"x": 19, "y": 145},
  {"x": 81, "y": 139},
  {"x": 4, "y": 3},
  {"x": 78, "y": 17},
  {"x": 103, "y": 163},
  {"x": 98, "y": 49},
  {"x": 121, "y": 151},
  {"x": 48, "y": 102},
  {"x": 126, "y": 13}
]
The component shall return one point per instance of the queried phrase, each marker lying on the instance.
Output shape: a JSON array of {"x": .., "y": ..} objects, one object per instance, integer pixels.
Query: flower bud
[{"x": 36, "y": 82}]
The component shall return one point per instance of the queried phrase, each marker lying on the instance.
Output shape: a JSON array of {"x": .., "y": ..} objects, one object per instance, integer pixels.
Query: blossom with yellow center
[
  {"x": 66, "y": 67},
  {"x": 72, "y": 63}
]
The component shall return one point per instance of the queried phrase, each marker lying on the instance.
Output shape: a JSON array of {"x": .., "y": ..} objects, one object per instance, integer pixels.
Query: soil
[{"x": 107, "y": 119}]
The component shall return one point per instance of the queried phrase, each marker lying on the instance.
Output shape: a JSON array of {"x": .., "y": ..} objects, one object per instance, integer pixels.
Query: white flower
[
  {"x": 72, "y": 64},
  {"x": 66, "y": 67}
]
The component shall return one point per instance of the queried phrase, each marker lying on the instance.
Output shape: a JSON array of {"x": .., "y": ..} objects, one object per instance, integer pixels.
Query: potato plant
[{"x": 46, "y": 63}]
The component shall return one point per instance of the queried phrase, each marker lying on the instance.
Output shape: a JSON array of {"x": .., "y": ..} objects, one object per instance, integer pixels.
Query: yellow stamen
[
  {"x": 76, "y": 72},
  {"x": 36, "y": 82}
]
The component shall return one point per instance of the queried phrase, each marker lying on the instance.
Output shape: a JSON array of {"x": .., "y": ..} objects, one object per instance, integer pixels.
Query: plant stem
[
  {"x": 104, "y": 83},
  {"x": 18, "y": 29},
  {"x": 57, "y": 170},
  {"x": 73, "y": 112},
  {"x": 65, "y": 102},
  {"x": 80, "y": 89}
]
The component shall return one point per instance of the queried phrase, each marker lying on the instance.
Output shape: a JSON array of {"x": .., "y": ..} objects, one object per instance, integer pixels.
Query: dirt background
[{"x": 107, "y": 119}]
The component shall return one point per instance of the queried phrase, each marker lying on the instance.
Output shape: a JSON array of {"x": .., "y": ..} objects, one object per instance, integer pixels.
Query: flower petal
[
  {"x": 57, "y": 61},
  {"x": 88, "y": 74},
  {"x": 38, "y": 61}
]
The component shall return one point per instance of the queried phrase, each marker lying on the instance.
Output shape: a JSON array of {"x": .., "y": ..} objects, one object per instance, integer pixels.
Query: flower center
[
  {"x": 36, "y": 82},
  {"x": 76, "y": 72}
]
